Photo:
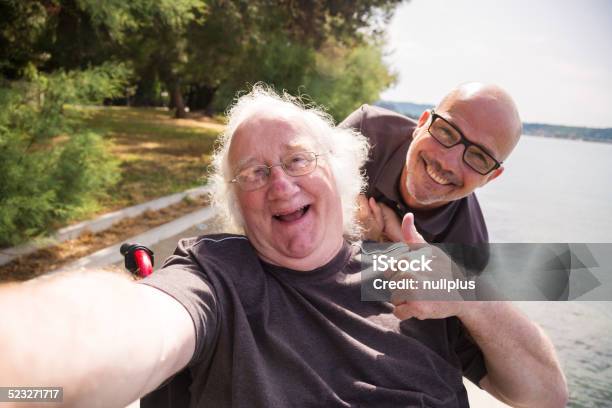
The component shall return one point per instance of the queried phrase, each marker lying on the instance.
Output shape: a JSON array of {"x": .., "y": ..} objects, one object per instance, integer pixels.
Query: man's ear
[
  {"x": 424, "y": 118},
  {"x": 494, "y": 174}
]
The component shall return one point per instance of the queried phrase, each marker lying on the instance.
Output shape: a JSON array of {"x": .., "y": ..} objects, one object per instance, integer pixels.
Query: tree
[
  {"x": 157, "y": 47},
  {"x": 282, "y": 43},
  {"x": 344, "y": 78},
  {"x": 22, "y": 25},
  {"x": 202, "y": 50}
]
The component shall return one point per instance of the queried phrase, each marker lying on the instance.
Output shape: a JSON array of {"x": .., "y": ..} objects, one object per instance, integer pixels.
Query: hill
[
  {"x": 412, "y": 110},
  {"x": 569, "y": 132}
]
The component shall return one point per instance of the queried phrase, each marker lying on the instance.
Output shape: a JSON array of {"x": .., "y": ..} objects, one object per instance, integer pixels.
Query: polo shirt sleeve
[
  {"x": 353, "y": 121},
  {"x": 184, "y": 279}
]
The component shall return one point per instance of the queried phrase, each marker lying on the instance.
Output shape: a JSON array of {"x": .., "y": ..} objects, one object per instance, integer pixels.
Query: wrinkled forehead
[{"x": 266, "y": 138}]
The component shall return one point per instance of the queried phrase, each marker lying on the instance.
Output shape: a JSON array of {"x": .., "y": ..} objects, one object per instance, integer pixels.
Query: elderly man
[
  {"x": 271, "y": 318},
  {"x": 432, "y": 167}
]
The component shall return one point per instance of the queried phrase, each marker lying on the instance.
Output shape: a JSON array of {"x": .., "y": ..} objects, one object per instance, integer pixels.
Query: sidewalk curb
[
  {"x": 97, "y": 224},
  {"x": 110, "y": 255}
]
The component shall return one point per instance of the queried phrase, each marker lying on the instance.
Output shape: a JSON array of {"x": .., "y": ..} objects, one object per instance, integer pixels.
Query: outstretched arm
[{"x": 106, "y": 340}]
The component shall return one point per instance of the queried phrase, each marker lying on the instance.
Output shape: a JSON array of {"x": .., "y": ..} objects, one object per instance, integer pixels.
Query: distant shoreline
[
  {"x": 581, "y": 139},
  {"x": 568, "y": 132}
]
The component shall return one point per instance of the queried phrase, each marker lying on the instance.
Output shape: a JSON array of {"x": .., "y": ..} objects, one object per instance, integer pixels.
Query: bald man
[{"x": 432, "y": 167}]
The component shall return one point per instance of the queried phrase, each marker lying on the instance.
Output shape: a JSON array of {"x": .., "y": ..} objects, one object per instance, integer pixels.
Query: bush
[{"x": 50, "y": 171}]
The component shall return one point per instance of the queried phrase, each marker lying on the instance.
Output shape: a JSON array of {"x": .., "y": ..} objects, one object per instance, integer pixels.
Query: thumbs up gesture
[
  {"x": 410, "y": 235},
  {"x": 424, "y": 309}
]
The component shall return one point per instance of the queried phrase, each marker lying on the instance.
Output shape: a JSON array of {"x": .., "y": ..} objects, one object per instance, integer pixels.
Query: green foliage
[
  {"x": 281, "y": 63},
  {"x": 83, "y": 171},
  {"x": 22, "y": 23},
  {"x": 74, "y": 34},
  {"x": 90, "y": 86},
  {"x": 123, "y": 17},
  {"x": 204, "y": 50},
  {"x": 51, "y": 171},
  {"x": 58, "y": 52},
  {"x": 315, "y": 22},
  {"x": 345, "y": 78},
  {"x": 338, "y": 77},
  {"x": 235, "y": 43}
]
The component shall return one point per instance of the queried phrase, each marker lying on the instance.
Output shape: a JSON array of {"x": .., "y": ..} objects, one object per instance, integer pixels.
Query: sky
[{"x": 554, "y": 57}]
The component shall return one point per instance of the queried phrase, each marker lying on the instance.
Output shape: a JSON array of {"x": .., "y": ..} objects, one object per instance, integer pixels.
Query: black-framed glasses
[
  {"x": 448, "y": 135},
  {"x": 296, "y": 164}
]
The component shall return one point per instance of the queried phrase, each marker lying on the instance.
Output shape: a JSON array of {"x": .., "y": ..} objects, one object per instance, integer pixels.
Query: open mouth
[
  {"x": 434, "y": 175},
  {"x": 293, "y": 215}
]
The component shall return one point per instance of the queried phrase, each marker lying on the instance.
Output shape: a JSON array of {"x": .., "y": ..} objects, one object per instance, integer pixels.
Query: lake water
[
  {"x": 552, "y": 190},
  {"x": 556, "y": 190}
]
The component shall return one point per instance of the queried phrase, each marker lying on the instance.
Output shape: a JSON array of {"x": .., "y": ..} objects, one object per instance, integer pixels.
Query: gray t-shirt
[{"x": 267, "y": 336}]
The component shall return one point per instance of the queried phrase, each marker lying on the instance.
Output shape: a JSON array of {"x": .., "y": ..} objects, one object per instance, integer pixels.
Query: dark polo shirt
[
  {"x": 268, "y": 336},
  {"x": 390, "y": 135}
]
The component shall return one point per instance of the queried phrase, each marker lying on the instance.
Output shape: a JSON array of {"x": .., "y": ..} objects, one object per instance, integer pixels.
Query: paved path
[
  {"x": 163, "y": 249},
  {"x": 162, "y": 240},
  {"x": 98, "y": 224}
]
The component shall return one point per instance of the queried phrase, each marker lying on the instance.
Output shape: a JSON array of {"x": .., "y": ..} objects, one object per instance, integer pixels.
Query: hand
[
  {"x": 421, "y": 309},
  {"x": 392, "y": 229},
  {"x": 371, "y": 219},
  {"x": 379, "y": 222},
  {"x": 409, "y": 233}
]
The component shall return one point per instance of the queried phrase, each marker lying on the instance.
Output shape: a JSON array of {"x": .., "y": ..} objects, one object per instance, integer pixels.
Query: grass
[{"x": 158, "y": 155}]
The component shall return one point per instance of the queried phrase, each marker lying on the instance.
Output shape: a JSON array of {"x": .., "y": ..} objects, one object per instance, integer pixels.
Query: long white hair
[{"x": 345, "y": 151}]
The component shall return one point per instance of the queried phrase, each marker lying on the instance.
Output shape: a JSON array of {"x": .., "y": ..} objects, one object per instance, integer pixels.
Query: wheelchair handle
[{"x": 139, "y": 259}]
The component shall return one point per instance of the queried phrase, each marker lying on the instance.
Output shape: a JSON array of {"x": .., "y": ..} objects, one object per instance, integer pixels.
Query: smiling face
[
  {"x": 295, "y": 222},
  {"x": 435, "y": 175}
]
